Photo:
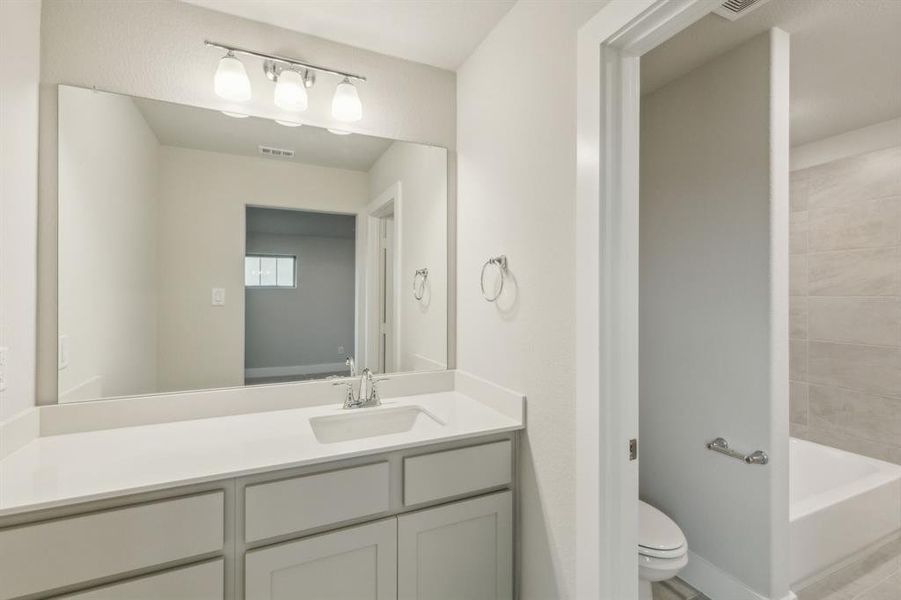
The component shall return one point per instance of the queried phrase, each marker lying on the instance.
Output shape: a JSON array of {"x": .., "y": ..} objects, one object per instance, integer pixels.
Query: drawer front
[
  {"x": 52, "y": 554},
  {"x": 443, "y": 474},
  {"x": 301, "y": 503},
  {"x": 205, "y": 581}
]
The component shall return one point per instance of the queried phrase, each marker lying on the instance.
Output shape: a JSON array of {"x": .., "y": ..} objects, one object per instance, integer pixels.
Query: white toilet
[{"x": 662, "y": 549}]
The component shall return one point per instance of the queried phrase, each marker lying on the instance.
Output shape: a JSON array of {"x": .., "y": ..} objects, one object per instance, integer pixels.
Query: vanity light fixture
[
  {"x": 231, "y": 80},
  {"x": 346, "y": 105},
  {"x": 292, "y": 78},
  {"x": 290, "y": 91}
]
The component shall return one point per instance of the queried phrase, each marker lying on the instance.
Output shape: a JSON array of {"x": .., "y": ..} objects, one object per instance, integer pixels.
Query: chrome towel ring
[
  {"x": 419, "y": 283},
  {"x": 501, "y": 263}
]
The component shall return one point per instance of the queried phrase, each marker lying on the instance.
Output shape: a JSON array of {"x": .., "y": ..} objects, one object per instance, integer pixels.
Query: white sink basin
[{"x": 360, "y": 423}]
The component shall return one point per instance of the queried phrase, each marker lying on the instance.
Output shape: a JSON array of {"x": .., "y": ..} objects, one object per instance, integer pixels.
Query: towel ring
[
  {"x": 501, "y": 263},
  {"x": 419, "y": 277}
]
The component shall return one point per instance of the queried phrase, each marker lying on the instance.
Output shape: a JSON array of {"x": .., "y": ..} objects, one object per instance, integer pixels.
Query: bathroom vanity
[{"x": 412, "y": 499}]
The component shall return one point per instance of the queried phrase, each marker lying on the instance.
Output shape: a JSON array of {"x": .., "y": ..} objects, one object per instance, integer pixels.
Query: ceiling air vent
[
  {"x": 276, "y": 152},
  {"x": 733, "y": 9}
]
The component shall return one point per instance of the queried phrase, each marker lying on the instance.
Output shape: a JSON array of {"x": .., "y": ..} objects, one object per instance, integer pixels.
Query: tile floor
[
  {"x": 876, "y": 576},
  {"x": 676, "y": 589}
]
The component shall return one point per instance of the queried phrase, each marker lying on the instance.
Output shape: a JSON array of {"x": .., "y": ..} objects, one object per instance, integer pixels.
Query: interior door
[{"x": 386, "y": 295}]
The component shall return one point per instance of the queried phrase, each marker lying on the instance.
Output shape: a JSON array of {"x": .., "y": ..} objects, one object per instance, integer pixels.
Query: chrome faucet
[
  {"x": 350, "y": 364},
  {"x": 369, "y": 394}
]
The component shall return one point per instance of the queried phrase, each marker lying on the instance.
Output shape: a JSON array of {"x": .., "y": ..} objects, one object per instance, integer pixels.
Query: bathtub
[{"x": 841, "y": 503}]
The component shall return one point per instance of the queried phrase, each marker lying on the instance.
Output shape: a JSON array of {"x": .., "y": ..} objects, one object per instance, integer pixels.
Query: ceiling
[
  {"x": 276, "y": 221},
  {"x": 204, "y": 129},
  {"x": 845, "y": 56},
  {"x": 441, "y": 33}
]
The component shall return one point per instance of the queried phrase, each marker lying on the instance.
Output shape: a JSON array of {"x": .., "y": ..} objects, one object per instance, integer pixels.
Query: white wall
[
  {"x": 303, "y": 326},
  {"x": 714, "y": 311},
  {"x": 155, "y": 50},
  {"x": 516, "y": 132},
  {"x": 20, "y": 35},
  {"x": 108, "y": 173},
  {"x": 202, "y": 216},
  {"x": 878, "y": 136},
  {"x": 422, "y": 172}
]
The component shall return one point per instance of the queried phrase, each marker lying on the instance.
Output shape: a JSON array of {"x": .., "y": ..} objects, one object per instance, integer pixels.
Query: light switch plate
[
  {"x": 62, "y": 352},
  {"x": 218, "y": 297}
]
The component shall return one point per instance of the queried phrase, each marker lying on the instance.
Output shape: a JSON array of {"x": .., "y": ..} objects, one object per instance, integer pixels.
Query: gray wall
[
  {"x": 846, "y": 303},
  {"x": 714, "y": 310},
  {"x": 305, "y": 325}
]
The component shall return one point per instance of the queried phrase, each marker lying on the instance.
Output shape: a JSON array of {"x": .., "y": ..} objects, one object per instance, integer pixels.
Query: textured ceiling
[
  {"x": 845, "y": 56},
  {"x": 203, "y": 129},
  {"x": 441, "y": 33}
]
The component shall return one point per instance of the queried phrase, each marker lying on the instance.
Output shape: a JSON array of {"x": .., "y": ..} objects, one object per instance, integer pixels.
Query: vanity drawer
[
  {"x": 301, "y": 503},
  {"x": 444, "y": 474},
  {"x": 205, "y": 581},
  {"x": 66, "y": 551}
]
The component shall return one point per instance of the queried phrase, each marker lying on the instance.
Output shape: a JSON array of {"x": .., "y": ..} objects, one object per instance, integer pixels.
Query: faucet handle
[{"x": 349, "y": 399}]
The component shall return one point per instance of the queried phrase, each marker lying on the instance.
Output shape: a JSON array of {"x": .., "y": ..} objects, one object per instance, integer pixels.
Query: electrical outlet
[
  {"x": 341, "y": 350},
  {"x": 62, "y": 352},
  {"x": 218, "y": 297}
]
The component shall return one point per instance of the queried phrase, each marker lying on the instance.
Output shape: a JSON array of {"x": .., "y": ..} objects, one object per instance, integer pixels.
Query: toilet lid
[{"x": 658, "y": 535}]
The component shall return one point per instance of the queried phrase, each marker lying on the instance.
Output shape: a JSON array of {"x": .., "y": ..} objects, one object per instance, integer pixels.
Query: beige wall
[
  {"x": 202, "y": 210},
  {"x": 155, "y": 49},
  {"x": 846, "y": 303},
  {"x": 20, "y": 37},
  {"x": 109, "y": 174},
  {"x": 422, "y": 172},
  {"x": 517, "y": 197}
]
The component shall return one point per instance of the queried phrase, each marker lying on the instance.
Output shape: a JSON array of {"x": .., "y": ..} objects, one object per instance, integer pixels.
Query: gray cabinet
[
  {"x": 358, "y": 563},
  {"x": 205, "y": 581},
  {"x": 462, "y": 550}
]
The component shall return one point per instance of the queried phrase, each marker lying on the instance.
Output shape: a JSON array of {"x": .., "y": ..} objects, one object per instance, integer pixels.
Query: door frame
[
  {"x": 385, "y": 203},
  {"x": 608, "y": 102}
]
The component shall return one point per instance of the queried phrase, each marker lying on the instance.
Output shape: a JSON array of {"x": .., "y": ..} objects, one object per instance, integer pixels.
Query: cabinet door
[
  {"x": 460, "y": 551},
  {"x": 358, "y": 563}
]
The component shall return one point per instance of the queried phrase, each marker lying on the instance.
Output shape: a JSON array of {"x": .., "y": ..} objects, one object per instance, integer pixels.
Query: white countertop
[{"x": 77, "y": 467}]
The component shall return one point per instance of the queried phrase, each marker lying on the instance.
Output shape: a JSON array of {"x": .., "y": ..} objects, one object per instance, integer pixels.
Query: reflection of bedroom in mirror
[{"x": 198, "y": 250}]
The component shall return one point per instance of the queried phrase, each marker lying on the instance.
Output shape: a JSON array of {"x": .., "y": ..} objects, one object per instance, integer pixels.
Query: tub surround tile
[
  {"x": 872, "y": 321},
  {"x": 798, "y": 240},
  {"x": 867, "y": 224},
  {"x": 871, "y": 369},
  {"x": 869, "y": 272},
  {"x": 798, "y": 317},
  {"x": 854, "y": 179},
  {"x": 798, "y": 402},
  {"x": 798, "y": 184},
  {"x": 856, "y": 414},
  {"x": 798, "y": 275},
  {"x": 797, "y": 360}
]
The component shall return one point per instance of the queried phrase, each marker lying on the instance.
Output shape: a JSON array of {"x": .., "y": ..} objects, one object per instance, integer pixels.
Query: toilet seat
[{"x": 658, "y": 536}]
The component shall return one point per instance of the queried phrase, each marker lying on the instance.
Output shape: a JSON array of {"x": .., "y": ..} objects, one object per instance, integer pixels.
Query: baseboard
[
  {"x": 294, "y": 370},
  {"x": 716, "y": 584}
]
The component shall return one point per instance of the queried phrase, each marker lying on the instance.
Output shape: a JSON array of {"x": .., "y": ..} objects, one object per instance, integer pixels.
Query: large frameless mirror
[{"x": 201, "y": 250}]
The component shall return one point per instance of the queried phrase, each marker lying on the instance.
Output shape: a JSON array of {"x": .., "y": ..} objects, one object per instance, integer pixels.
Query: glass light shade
[
  {"x": 290, "y": 92},
  {"x": 231, "y": 80},
  {"x": 346, "y": 104}
]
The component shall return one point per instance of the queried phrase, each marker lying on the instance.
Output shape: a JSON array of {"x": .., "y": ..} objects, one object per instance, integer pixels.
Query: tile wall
[{"x": 845, "y": 308}]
